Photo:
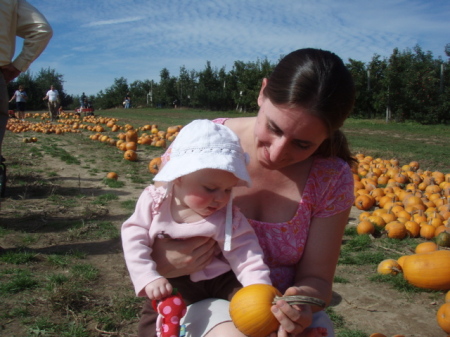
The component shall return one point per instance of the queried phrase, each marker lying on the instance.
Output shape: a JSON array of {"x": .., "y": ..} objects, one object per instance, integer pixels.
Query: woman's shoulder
[{"x": 330, "y": 163}]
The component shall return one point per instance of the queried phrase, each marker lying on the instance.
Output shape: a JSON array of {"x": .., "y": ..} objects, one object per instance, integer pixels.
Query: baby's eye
[{"x": 209, "y": 189}]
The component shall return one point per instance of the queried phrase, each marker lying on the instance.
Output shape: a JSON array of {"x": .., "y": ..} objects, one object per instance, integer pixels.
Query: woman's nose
[{"x": 277, "y": 149}]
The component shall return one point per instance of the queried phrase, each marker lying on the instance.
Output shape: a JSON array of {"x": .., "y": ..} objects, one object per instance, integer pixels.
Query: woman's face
[
  {"x": 286, "y": 136},
  {"x": 205, "y": 191}
]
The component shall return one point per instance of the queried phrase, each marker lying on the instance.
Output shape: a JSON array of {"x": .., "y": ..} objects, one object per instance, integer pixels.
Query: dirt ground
[{"x": 365, "y": 306}]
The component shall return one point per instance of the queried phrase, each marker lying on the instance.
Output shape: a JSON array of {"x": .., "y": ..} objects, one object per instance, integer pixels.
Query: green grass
[{"x": 427, "y": 144}]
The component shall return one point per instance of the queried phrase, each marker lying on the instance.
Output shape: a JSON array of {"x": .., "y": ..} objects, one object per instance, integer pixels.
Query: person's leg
[
  {"x": 190, "y": 291},
  {"x": 3, "y": 111},
  {"x": 50, "y": 110},
  {"x": 21, "y": 108},
  {"x": 321, "y": 322},
  {"x": 147, "y": 321}
]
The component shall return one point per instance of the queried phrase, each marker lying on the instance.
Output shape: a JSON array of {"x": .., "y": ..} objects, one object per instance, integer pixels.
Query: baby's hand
[{"x": 158, "y": 289}]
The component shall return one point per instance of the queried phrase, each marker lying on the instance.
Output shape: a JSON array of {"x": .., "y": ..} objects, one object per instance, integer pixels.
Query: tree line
[{"x": 408, "y": 85}]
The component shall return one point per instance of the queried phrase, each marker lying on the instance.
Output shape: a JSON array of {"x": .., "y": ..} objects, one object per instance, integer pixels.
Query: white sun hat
[{"x": 203, "y": 144}]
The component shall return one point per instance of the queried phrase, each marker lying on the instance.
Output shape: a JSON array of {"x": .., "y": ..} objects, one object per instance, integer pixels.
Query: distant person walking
[
  {"x": 18, "y": 18},
  {"x": 83, "y": 101},
  {"x": 21, "y": 97},
  {"x": 53, "y": 102},
  {"x": 127, "y": 101}
]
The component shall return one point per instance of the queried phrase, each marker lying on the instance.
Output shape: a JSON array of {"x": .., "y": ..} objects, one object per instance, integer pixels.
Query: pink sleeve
[
  {"x": 246, "y": 255},
  {"x": 137, "y": 243}
]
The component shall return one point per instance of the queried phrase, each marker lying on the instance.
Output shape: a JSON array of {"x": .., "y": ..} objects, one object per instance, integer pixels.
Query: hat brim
[{"x": 180, "y": 166}]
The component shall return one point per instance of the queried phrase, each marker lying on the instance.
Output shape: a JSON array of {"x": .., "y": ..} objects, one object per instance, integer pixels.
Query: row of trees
[{"x": 409, "y": 85}]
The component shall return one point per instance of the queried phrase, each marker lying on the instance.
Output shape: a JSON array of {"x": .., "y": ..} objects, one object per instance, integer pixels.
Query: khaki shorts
[{"x": 202, "y": 316}]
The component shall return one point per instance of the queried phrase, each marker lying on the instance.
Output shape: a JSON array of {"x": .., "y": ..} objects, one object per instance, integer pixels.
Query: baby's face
[{"x": 206, "y": 191}]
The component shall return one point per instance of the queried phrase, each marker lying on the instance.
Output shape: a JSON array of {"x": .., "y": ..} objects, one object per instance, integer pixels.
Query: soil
[{"x": 364, "y": 305}]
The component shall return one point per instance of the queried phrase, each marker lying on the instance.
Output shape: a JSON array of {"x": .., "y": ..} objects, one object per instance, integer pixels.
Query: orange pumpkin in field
[
  {"x": 443, "y": 317},
  {"x": 131, "y": 136},
  {"x": 250, "y": 310},
  {"x": 130, "y": 155},
  {"x": 112, "y": 175},
  {"x": 154, "y": 165},
  {"x": 131, "y": 146}
]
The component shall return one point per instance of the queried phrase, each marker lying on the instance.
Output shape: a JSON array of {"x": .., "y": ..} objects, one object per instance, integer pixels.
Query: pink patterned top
[{"x": 328, "y": 191}]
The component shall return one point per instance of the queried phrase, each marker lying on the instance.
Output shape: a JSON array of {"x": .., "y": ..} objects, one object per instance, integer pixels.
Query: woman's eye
[
  {"x": 274, "y": 129},
  {"x": 302, "y": 146}
]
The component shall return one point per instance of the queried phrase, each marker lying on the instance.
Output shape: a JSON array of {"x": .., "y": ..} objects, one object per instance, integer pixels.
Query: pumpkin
[
  {"x": 412, "y": 228},
  {"x": 112, "y": 175},
  {"x": 401, "y": 260},
  {"x": 428, "y": 270},
  {"x": 443, "y": 239},
  {"x": 426, "y": 247},
  {"x": 154, "y": 165},
  {"x": 389, "y": 267},
  {"x": 447, "y": 296},
  {"x": 443, "y": 317},
  {"x": 130, "y": 155},
  {"x": 377, "y": 334},
  {"x": 131, "y": 146},
  {"x": 250, "y": 310},
  {"x": 365, "y": 227},
  {"x": 364, "y": 202},
  {"x": 131, "y": 136},
  {"x": 427, "y": 231},
  {"x": 396, "y": 230}
]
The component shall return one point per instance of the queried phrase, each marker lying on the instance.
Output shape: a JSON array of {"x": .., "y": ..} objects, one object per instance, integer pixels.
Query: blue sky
[{"x": 96, "y": 41}]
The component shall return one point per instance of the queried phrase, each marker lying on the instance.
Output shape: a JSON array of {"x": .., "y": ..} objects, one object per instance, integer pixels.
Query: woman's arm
[
  {"x": 177, "y": 258},
  {"x": 315, "y": 272}
]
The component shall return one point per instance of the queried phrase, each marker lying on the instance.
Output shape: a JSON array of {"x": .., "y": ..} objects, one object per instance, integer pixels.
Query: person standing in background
[
  {"x": 53, "y": 102},
  {"x": 21, "y": 97},
  {"x": 18, "y": 18}
]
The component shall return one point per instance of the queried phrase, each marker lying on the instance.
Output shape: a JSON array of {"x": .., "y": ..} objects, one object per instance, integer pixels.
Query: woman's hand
[
  {"x": 293, "y": 319},
  {"x": 176, "y": 258}
]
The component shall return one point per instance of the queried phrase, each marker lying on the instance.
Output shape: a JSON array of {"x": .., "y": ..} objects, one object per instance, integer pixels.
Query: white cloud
[{"x": 107, "y": 39}]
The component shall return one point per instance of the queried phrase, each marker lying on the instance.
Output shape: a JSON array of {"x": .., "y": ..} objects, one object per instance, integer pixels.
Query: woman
[{"x": 301, "y": 194}]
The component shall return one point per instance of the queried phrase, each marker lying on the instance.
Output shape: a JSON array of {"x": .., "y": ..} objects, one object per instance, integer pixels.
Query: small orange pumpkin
[
  {"x": 112, "y": 175},
  {"x": 426, "y": 247},
  {"x": 130, "y": 155},
  {"x": 365, "y": 227},
  {"x": 154, "y": 165},
  {"x": 250, "y": 310},
  {"x": 389, "y": 267},
  {"x": 443, "y": 317}
]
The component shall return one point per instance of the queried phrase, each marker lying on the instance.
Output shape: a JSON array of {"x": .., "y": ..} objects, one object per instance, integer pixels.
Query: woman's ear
[{"x": 261, "y": 96}]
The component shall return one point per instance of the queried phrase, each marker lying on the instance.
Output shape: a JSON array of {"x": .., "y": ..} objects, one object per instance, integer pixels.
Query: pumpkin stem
[{"x": 297, "y": 299}]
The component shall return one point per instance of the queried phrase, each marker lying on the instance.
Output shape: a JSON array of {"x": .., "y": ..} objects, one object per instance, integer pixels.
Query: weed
[
  {"x": 56, "y": 151},
  {"x": 105, "y": 198},
  {"x": 84, "y": 272},
  {"x": 18, "y": 257},
  {"x": 113, "y": 183},
  {"x": 19, "y": 280}
]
